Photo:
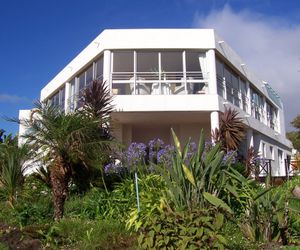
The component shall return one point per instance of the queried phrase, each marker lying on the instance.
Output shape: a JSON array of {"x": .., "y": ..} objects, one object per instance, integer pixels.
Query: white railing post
[{"x": 184, "y": 71}]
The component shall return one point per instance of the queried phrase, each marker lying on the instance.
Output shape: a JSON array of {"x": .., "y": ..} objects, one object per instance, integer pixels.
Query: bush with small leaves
[{"x": 196, "y": 229}]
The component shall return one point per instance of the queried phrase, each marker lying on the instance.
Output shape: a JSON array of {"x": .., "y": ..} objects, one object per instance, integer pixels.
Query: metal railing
[
  {"x": 292, "y": 167},
  {"x": 161, "y": 83}
]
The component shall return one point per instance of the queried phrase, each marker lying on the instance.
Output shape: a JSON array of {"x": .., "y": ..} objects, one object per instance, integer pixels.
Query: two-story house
[{"x": 179, "y": 78}]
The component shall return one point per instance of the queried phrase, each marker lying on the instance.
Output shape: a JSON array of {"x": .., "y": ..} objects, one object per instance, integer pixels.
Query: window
[
  {"x": 271, "y": 115},
  {"x": 99, "y": 68},
  {"x": 192, "y": 61},
  {"x": 257, "y": 105},
  {"x": 123, "y": 61},
  {"x": 228, "y": 83},
  {"x": 147, "y": 64},
  {"x": 171, "y": 62},
  {"x": 235, "y": 89},
  {"x": 89, "y": 75},
  {"x": 220, "y": 74},
  {"x": 58, "y": 99},
  {"x": 81, "y": 81}
]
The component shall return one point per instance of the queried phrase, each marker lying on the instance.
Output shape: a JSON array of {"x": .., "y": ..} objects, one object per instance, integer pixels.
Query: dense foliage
[
  {"x": 294, "y": 136},
  {"x": 192, "y": 196}
]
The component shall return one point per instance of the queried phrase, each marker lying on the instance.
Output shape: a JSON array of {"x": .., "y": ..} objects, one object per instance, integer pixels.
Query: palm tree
[
  {"x": 67, "y": 141},
  {"x": 13, "y": 160},
  {"x": 231, "y": 131}
]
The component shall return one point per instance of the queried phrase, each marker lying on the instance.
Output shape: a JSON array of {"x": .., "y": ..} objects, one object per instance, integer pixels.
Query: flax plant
[{"x": 199, "y": 181}]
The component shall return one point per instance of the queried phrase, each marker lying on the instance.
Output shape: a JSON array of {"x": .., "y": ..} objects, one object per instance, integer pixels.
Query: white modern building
[{"x": 179, "y": 78}]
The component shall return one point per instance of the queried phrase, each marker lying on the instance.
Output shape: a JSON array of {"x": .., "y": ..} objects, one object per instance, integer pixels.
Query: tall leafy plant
[
  {"x": 12, "y": 166},
  {"x": 266, "y": 210},
  {"x": 96, "y": 102},
  {"x": 199, "y": 182}
]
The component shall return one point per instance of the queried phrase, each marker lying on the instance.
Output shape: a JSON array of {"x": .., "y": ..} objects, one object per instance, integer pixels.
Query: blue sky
[{"x": 39, "y": 37}]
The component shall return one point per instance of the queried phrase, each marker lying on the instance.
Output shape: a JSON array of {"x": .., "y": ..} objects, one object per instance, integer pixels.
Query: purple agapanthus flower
[
  {"x": 154, "y": 146},
  {"x": 113, "y": 168},
  {"x": 135, "y": 155},
  {"x": 232, "y": 154},
  {"x": 164, "y": 156}
]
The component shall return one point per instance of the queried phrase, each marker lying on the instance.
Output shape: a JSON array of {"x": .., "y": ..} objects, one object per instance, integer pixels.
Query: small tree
[{"x": 67, "y": 141}]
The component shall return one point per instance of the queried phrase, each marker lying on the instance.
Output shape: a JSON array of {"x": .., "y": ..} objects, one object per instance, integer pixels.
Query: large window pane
[
  {"x": 228, "y": 82},
  {"x": 147, "y": 61},
  {"x": 235, "y": 89},
  {"x": 89, "y": 75},
  {"x": 73, "y": 95},
  {"x": 219, "y": 71},
  {"x": 192, "y": 61},
  {"x": 62, "y": 97},
  {"x": 81, "y": 80},
  {"x": 171, "y": 61},
  {"x": 219, "y": 68},
  {"x": 123, "y": 61},
  {"x": 99, "y": 68}
]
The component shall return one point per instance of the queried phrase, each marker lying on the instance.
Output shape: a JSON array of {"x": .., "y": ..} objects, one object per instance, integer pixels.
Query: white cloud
[
  {"x": 269, "y": 45},
  {"x": 12, "y": 98}
]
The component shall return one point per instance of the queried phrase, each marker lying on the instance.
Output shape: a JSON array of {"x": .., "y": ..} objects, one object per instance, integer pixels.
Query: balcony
[{"x": 159, "y": 83}]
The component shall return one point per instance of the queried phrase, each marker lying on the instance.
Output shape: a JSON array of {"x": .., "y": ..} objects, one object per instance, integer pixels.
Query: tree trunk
[{"x": 60, "y": 176}]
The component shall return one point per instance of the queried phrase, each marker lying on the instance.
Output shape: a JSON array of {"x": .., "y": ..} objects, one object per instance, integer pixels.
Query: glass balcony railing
[{"x": 155, "y": 83}]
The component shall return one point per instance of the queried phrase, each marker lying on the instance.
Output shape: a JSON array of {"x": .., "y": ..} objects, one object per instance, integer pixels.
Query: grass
[{"x": 89, "y": 234}]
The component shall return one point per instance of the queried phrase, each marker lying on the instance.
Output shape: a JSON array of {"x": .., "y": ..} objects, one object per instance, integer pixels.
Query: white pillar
[
  {"x": 67, "y": 97},
  {"x": 214, "y": 121},
  {"x": 211, "y": 68},
  {"x": 107, "y": 68},
  {"x": 250, "y": 141},
  {"x": 248, "y": 98}
]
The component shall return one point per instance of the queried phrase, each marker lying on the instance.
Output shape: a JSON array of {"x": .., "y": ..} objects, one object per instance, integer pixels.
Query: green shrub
[
  {"x": 33, "y": 206},
  {"x": 150, "y": 195},
  {"x": 197, "y": 229},
  {"x": 235, "y": 237}
]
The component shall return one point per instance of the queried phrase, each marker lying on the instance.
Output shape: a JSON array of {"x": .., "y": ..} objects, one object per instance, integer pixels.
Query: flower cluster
[
  {"x": 135, "y": 154},
  {"x": 233, "y": 157},
  {"x": 114, "y": 168},
  {"x": 165, "y": 155},
  {"x": 155, "y": 146}
]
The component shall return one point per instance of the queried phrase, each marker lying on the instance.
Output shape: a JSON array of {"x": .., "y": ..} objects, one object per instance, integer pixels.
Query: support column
[
  {"x": 248, "y": 98},
  {"x": 250, "y": 140},
  {"x": 67, "y": 97},
  {"x": 107, "y": 68},
  {"x": 214, "y": 121},
  {"x": 212, "y": 74}
]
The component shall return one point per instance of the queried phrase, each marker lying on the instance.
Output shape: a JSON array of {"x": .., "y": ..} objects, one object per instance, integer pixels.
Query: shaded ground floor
[{"x": 144, "y": 126}]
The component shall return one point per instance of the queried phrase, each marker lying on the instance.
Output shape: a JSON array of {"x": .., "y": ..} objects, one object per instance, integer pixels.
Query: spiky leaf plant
[
  {"x": 231, "y": 131},
  {"x": 12, "y": 167},
  {"x": 205, "y": 173}
]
